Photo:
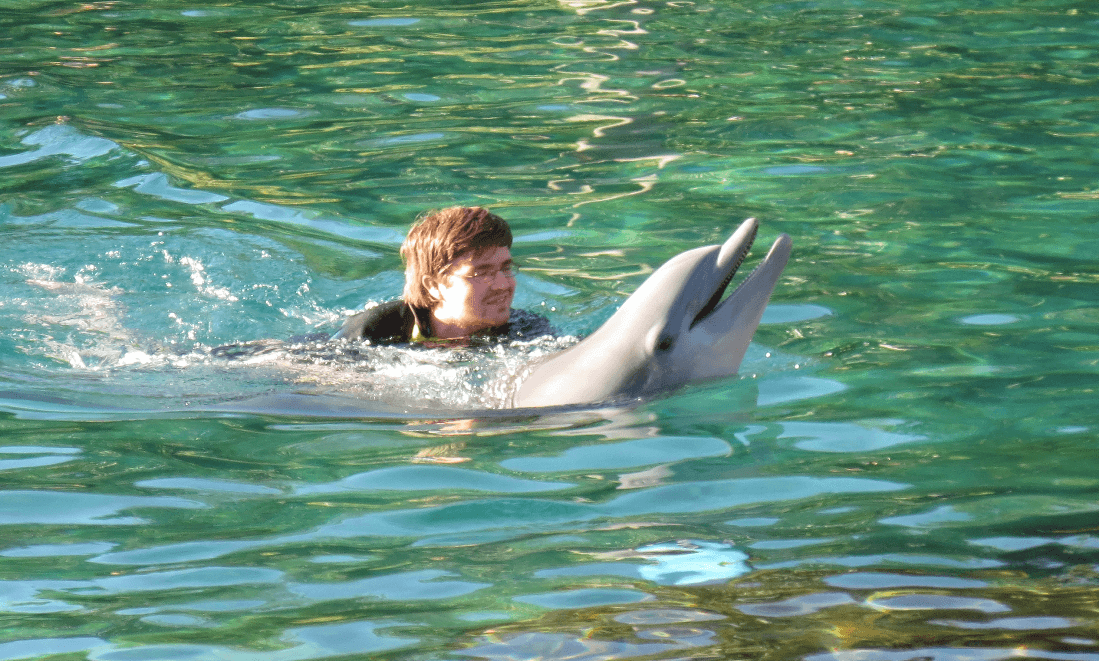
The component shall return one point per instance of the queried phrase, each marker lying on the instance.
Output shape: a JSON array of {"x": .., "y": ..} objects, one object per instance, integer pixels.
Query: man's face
[{"x": 475, "y": 290}]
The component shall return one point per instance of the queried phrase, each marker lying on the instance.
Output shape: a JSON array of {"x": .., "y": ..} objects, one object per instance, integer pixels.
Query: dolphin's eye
[{"x": 665, "y": 343}]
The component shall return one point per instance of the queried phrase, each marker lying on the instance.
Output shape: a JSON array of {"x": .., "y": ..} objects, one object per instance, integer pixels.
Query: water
[{"x": 904, "y": 469}]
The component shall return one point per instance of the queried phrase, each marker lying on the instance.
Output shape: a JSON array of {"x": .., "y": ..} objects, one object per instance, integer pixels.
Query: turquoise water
[{"x": 904, "y": 468}]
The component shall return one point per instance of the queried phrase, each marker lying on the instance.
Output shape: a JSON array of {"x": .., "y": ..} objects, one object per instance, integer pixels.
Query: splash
[
  {"x": 452, "y": 378},
  {"x": 81, "y": 323}
]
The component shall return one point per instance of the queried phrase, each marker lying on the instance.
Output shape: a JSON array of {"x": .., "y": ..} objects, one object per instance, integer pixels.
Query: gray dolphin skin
[{"x": 673, "y": 330}]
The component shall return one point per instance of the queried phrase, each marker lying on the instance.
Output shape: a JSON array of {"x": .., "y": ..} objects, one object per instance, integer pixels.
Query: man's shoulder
[
  {"x": 527, "y": 325},
  {"x": 393, "y": 321},
  {"x": 390, "y": 321}
]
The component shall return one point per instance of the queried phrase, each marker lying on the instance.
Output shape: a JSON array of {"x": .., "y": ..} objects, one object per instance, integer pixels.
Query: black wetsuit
[{"x": 393, "y": 322}]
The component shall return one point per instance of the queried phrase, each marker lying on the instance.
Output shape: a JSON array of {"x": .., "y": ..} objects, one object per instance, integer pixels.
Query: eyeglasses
[{"x": 488, "y": 273}]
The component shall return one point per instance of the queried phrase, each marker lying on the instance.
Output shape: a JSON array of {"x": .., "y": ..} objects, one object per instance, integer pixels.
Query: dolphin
[{"x": 673, "y": 330}]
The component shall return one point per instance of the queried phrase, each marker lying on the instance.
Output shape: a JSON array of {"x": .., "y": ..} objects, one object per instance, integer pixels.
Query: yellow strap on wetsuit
[{"x": 434, "y": 342}]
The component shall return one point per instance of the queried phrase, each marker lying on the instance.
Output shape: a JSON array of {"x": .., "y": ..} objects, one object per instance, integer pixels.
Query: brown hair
[{"x": 438, "y": 238}]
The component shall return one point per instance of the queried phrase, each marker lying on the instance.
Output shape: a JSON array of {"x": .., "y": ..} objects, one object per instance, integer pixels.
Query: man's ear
[{"x": 431, "y": 287}]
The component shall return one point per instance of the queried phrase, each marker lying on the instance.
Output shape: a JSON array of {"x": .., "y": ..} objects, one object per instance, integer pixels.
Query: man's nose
[{"x": 502, "y": 281}]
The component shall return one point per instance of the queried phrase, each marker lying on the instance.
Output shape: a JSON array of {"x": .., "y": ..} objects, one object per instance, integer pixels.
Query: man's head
[{"x": 458, "y": 265}]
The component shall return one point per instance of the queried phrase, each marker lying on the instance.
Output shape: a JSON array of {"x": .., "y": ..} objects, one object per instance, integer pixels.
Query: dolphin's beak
[
  {"x": 729, "y": 258},
  {"x": 719, "y": 334}
]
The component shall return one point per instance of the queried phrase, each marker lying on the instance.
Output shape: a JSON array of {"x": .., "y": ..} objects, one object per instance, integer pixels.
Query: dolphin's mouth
[{"x": 740, "y": 255}]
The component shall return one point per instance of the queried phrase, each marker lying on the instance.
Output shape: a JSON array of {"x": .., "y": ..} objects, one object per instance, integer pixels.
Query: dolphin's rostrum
[{"x": 673, "y": 330}]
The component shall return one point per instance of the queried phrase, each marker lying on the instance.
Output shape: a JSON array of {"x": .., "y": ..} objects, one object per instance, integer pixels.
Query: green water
[{"x": 904, "y": 468}]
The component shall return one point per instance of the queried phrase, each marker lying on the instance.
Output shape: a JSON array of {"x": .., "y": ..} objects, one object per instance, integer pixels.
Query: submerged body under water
[
  {"x": 401, "y": 377},
  {"x": 904, "y": 468}
]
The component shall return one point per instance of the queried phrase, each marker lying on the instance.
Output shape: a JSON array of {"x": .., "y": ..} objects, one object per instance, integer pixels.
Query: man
[{"x": 459, "y": 282}]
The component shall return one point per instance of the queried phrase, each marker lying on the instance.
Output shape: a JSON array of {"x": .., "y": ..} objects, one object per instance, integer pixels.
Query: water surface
[{"x": 904, "y": 468}]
